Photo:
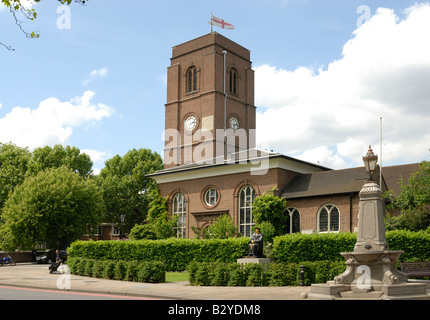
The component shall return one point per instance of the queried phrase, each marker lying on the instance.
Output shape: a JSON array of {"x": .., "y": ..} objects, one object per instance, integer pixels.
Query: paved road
[
  {"x": 36, "y": 276},
  {"x": 15, "y": 293}
]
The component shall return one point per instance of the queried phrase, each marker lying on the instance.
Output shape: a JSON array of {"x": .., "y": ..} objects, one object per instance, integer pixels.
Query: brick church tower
[{"x": 210, "y": 90}]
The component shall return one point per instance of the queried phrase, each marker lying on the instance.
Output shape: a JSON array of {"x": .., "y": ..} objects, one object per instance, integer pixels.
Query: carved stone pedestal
[
  {"x": 370, "y": 276},
  {"x": 371, "y": 271},
  {"x": 332, "y": 291},
  {"x": 261, "y": 261}
]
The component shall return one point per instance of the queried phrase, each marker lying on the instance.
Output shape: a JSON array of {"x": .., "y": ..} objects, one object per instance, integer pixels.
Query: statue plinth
[{"x": 264, "y": 262}]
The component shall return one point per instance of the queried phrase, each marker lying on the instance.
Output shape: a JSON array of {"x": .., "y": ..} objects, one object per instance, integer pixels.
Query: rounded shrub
[
  {"x": 108, "y": 269},
  {"x": 151, "y": 272},
  {"x": 97, "y": 269},
  {"x": 132, "y": 270},
  {"x": 120, "y": 270}
]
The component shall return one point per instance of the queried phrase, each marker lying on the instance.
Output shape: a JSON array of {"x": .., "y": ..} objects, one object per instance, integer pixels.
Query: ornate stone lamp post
[
  {"x": 371, "y": 268},
  {"x": 370, "y": 161},
  {"x": 371, "y": 228}
]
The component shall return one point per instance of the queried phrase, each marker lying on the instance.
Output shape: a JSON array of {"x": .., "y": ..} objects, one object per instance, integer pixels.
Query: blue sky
[{"x": 323, "y": 78}]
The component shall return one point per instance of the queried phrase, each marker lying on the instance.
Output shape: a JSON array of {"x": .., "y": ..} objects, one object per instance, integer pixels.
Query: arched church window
[
  {"x": 233, "y": 80},
  {"x": 179, "y": 208},
  {"x": 328, "y": 218},
  {"x": 192, "y": 79},
  {"x": 246, "y": 200},
  {"x": 293, "y": 220}
]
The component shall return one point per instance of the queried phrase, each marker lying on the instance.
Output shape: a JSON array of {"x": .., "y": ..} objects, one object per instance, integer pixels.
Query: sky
[{"x": 330, "y": 75}]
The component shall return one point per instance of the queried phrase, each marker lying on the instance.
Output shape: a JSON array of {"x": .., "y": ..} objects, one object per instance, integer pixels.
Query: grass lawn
[{"x": 177, "y": 276}]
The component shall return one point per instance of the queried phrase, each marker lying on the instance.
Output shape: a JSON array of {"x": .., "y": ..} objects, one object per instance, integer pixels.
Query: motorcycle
[{"x": 7, "y": 260}]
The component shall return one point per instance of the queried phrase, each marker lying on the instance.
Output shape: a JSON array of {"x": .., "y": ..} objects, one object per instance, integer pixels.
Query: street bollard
[{"x": 302, "y": 276}]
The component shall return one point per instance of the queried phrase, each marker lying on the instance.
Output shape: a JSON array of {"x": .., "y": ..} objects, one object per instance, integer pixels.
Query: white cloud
[
  {"x": 323, "y": 156},
  {"x": 331, "y": 116},
  {"x": 100, "y": 73},
  {"x": 27, "y": 4},
  {"x": 97, "y": 157},
  {"x": 52, "y": 122}
]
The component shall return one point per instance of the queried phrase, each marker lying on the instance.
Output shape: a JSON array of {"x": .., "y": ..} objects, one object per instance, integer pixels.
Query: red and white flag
[{"x": 220, "y": 23}]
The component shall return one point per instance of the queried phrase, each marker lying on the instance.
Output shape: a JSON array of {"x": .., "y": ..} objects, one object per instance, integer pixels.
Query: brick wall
[
  {"x": 348, "y": 205},
  {"x": 200, "y": 215}
]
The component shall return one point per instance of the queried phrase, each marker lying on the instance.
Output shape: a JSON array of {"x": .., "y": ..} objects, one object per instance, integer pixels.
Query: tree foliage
[
  {"x": 159, "y": 224},
  {"x": 13, "y": 168},
  {"x": 57, "y": 156},
  {"x": 126, "y": 188},
  {"x": 16, "y": 164},
  {"x": 416, "y": 192},
  {"x": 128, "y": 194},
  {"x": 413, "y": 201},
  {"x": 55, "y": 206},
  {"x": 221, "y": 228},
  {"x": 271, "y": 208}
]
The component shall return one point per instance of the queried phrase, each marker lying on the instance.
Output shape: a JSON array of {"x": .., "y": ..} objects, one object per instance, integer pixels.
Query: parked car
[{"x": 50, "y": 256}]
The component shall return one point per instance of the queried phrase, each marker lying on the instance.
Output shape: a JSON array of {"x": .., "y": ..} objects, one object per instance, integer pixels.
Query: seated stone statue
[{"x": 256, "y": 244}]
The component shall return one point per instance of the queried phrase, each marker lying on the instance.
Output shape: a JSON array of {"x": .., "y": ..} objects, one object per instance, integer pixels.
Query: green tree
[
  {"x": 158, "y": 207},
  {"x": 55, "y": 206},
  {"x": 413, "y": 201},
  {"x": 221, "y": 228},
  {"x": 57, "y": 156},
  {"x": 271, "y": 208},
  {"x": 163, "y": 227},
  {"x": 159, "y": 224},
  {"x": 13, "y": 167},
  {"x": 127, "y": 191}
]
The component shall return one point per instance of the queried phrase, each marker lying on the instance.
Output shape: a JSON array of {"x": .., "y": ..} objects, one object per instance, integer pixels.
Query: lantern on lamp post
[{"x": 370, "y": 160}]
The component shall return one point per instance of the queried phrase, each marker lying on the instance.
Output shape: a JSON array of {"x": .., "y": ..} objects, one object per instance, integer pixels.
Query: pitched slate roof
[
  {"x": 344, "y": 181},
  {"x": 325, "y": 183},
  {"x": 394, "y": 174}
]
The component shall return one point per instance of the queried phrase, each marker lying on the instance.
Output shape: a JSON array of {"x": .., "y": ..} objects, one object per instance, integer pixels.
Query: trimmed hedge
[
  {"x": 416, "y": 245},
  {"x": 149, "y": 272},
  {"x": 175, "y": 253},
  {"x": 313, "y": 247},
  {"x": 252, "y": 274},
  {"x": 316, "y": 247}
]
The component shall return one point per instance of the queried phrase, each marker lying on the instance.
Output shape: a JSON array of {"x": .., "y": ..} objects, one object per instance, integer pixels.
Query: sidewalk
[{"x": 38, "y": 276}]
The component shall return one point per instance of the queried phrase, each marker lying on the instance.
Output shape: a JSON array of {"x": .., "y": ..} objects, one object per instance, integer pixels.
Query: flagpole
[
  {"x": 225, "y": 104},
  {"x": 380, "y": 152},
  {"x": 211, "y": 24}
]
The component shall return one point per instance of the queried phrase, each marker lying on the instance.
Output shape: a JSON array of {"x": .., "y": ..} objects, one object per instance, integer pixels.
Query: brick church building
[{"x": 212, "y": 166}]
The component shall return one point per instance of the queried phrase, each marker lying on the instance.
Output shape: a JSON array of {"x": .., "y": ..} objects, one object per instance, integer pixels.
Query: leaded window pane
[
  {"x": 323, "y": 220},
  {"x": 192, "y": 79},
  {"x": 296, "y": 222},
  {"x": 179, "y": 208},
  {"x": 334, "y": 219},
  {"x": 246, "y": 199}
]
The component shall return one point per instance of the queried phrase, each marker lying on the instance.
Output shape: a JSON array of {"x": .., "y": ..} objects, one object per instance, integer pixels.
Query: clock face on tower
[
  {"x": 190, "y": 123},
  {"x": 234, "y": 123}
]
